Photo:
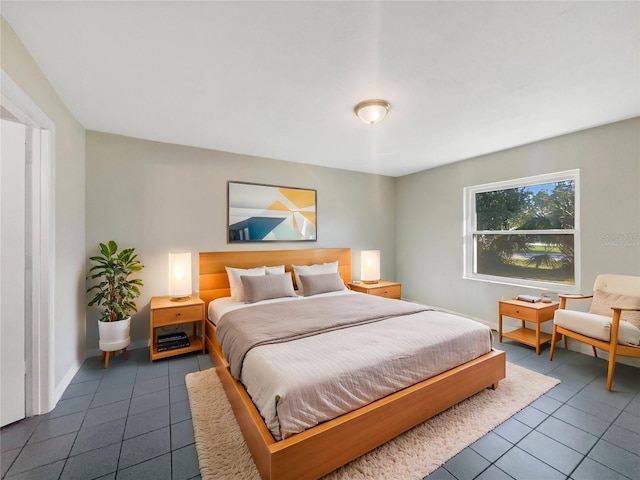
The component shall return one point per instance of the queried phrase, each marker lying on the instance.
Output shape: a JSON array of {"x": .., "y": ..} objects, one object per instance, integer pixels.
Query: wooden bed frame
[{"x": 322, "y": 449}]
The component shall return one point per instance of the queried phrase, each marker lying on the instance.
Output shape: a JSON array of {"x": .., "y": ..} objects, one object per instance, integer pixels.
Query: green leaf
[
  {"x": 115, "y": 292},
  {"x": 113, "y": 247}
]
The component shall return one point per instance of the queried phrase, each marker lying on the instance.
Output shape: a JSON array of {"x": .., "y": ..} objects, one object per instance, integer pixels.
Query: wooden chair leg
[
  {"x": 553, "y": 342},
  {"x": 595, "y": 353},
  {"x": 613, "y": 346},
  {"x": 612, "y": 367},
  {"x": 613, "y": 352}
]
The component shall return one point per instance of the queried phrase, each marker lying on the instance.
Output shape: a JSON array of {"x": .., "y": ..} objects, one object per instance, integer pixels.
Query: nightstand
[
  {"x": 537, "y": 313},
  {"x": 165, "y": 313},
  {"x": 382, "y": 288}
]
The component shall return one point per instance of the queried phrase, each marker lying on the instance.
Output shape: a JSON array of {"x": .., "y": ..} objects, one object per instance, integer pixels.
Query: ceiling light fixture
[{"x": 372, "y": 111}]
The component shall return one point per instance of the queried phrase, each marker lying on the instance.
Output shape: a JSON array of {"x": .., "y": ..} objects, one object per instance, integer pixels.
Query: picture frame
[{"x": 270, "y": 213}]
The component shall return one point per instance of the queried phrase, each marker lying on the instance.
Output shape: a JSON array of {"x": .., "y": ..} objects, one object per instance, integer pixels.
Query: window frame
[{"x": 470, "y": 231}]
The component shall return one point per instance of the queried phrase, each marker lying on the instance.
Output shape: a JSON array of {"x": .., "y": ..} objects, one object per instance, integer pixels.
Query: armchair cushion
[
  {"x": 603, "y": 301},
  {"x": 596, "y": 326}
]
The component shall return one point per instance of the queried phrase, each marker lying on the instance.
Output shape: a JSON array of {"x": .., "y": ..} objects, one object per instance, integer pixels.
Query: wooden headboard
[{"x": 212, "y": 277}]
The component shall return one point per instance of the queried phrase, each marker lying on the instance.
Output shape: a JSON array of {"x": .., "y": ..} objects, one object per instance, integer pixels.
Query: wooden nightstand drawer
[
  {"x": 392, "y": 291},
  {"x": 382, "y": 289},
  {"x": 516, "y": 311},
  {"x": 171, "y": 316}
]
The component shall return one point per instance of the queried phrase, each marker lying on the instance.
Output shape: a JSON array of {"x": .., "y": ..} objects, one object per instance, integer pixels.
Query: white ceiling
[{"x": 280, "y": 79}]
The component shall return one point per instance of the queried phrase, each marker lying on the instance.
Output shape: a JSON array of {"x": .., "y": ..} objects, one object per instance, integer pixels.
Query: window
[{"x": 524, "y": 232}]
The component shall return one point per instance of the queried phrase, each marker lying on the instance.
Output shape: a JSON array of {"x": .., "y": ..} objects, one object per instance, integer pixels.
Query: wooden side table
[
  {"x": 537, "y": 313},
  {"x": 165, "y": 312},
  {"x": 382, "y": 288}
]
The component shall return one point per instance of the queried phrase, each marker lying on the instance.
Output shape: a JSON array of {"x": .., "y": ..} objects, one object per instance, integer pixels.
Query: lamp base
[
  {"x": 180, "y": 299},
  {"x": 369, "y": 282}
]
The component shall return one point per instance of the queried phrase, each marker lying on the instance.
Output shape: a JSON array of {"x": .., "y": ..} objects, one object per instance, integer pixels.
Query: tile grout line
[
  {"x": 600, "y": 438},
  {"x": 534, "y": 429}
]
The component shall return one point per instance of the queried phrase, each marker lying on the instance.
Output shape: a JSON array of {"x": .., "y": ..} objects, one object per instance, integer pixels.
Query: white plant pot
[{"x": 114, "y": 335}]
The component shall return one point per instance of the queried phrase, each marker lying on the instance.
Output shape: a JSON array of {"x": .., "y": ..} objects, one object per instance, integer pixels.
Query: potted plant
[{"x": 116, "y": 293}]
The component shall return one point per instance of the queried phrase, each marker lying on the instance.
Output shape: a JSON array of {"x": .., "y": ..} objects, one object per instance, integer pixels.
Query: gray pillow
[
  {"x": 264, "y": 287},
  {"x": 321, "y": 283}
]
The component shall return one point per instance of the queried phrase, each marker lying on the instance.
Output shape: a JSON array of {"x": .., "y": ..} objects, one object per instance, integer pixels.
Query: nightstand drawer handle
[{"x": 178, "y": 314}]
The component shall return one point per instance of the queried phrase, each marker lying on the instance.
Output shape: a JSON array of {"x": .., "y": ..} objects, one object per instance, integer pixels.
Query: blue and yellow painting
[{"x": 262, "y": 213}]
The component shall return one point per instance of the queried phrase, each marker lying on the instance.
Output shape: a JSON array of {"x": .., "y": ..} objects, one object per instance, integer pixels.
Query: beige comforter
[
  {"x": 299, "y": 383},
  {"x": 241, "y": 330}
]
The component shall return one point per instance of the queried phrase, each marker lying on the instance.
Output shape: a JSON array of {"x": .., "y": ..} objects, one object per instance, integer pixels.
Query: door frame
[{"x": 40, "y": 347}]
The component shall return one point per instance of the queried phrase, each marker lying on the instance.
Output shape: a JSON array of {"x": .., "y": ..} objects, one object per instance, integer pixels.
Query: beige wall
[
  {"x": 430, "y": 214},
  {"x": 68, "y": 330},
  {"x": 162, "y": 198}
]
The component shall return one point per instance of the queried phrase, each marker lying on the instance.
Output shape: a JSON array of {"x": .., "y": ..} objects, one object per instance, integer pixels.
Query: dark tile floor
[
  {"x": 133, "y": 421},
  {"x": 576, "y": 431}
]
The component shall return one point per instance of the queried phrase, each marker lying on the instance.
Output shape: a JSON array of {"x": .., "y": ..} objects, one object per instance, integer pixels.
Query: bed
[{"x": 322, "y": 448}]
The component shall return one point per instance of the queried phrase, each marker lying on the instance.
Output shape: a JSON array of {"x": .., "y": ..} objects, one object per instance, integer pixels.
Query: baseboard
[{"x": 64, "y": 383}]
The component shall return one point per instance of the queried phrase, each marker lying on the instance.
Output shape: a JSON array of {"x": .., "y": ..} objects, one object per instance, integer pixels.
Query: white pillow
[
  {"x": 237, "y": 290},
  {"x": 317, "y": 269},
  {"x": 275, "y": 270}
]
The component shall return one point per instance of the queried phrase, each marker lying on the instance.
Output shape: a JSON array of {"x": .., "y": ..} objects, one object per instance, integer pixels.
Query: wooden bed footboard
[{"x": 322, "y": 449}]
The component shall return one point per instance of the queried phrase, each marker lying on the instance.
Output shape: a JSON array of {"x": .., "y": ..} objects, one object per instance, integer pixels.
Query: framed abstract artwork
[{"x": 270, "y": 213}]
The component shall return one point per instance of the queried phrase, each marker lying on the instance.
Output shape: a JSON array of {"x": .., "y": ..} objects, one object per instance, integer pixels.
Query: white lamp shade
[
  {"x": 370, "y": 266},
  {"x": 180, "y": 275}
]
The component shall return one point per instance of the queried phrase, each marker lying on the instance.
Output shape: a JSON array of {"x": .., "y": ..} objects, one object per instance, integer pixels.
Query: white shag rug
[{"x": 223, "y": 453}]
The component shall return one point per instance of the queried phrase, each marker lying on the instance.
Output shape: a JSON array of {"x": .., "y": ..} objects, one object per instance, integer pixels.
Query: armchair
[{"x": 612, "y": 323}]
